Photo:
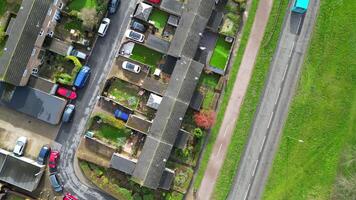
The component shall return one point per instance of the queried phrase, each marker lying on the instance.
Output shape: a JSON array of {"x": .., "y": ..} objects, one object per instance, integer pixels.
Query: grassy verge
[
  {"x": 322, "y": 114},
  {"x": 226, "y": 97},
  {"x": 253, "y": 95},
  {"x": 221, "y": 53}
]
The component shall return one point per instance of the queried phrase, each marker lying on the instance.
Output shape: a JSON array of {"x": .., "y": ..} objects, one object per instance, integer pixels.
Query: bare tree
[{"x": 89, "y": 17}]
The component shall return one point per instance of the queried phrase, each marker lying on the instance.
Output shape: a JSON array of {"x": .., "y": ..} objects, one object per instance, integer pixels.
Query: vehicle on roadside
[
  {"x": 154, "y": 1},
  {"x": 66, "y": 93},
  {"x": 132, "y": 67},
  {"x": 136, "y": 36},
  {"x": 68, "y": 113},
  {"x": 20, "y": 146},
  {"x": 53, "y": 161},
  {"x": 119, "y": 114},
  {"x": 78, "y": 54},
  {"x": 56, "y": 185},
  {"x": 138, "y": 26},
  {"x": 43, "y": 155},
  {"x": 300, "y": 6},
  {"x": 113, "y": 5},
  {"x": 103, "y": 27},
  {"x": 69, "y": 196},
  {"x": 82, "y": 77}
]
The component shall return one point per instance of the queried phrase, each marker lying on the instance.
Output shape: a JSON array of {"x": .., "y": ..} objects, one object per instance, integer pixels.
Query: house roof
[
  {"x": 172, "y": 6},
  {"x": 22, "y": 38},
  {"x": 154, "y": 101},
  {"x": 197, "y": 100},
  {"x": 167, "y": 179},
  {"x": 152, "y": 85},
  {"x": 182, "y": 139},
  {"x": 36, "y": 103},
  {"x": 163, "y": 133},
  {"x": 191, "y": 25},
  {"x": 122, "y": 164},
  {"x": 20, "y": 171},
  {"x": 143, "y": 11},
  {"x": 60, "y": 47},
  {"x": 157, "y": 43}
]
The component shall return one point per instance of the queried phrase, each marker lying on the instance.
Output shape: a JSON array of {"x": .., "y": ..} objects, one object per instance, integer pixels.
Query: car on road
[
  {"x": 119, "y": 114},
  {"x": 68, "y": 113},
  {"x": 56, "y": 185},
  {"x": 129, "y": 66},
  {"x": 43, "y": 155},
  {"x": 136, "y": 36},
  {"x": 66, "y": 93},
  {"x": 113, "y": 5},
  {"x": 53, "y": 161},
  {"x": 20, "y": 146},
  {"x": 69, "y": 196},
  {"x": 82, "y": 77},
  {"x": 103, "y": 27},
  {"x": 154, "y": 1},
  {"x": 138, "y": 26}
]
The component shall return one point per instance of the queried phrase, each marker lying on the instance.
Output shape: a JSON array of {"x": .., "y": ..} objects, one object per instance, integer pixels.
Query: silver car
[
  {"x": 129, "y": 66},
  {"x": 20, "y": 146},
  {"x": 68, "y": 113},
  {"x": 55, "y": 183}
]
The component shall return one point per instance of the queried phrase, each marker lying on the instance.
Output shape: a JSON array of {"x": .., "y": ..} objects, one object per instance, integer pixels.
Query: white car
[
  {"x": 20, "y": 146},
  {"x": 133, "y": 35},
  {"x": 129, "y": 66},
  {"x": 103, "y": 27}
]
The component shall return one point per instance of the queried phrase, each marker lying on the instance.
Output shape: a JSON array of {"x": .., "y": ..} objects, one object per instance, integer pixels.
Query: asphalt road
[
  {"x": 69, "y": 135},
  {"x": 273, "y": 109}
]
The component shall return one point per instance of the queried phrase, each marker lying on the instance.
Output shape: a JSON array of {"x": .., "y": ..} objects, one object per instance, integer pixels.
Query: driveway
[{"x": 69, "y": 136}]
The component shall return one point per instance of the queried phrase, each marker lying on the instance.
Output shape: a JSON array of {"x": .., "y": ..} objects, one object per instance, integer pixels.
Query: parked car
[
  {"x": 133, "y": 35},
  {"x": 43, "y": 155},
  {"x": 68, "y": 113},
  {"x": 82, "y": 77},
  {"x": 66, "y": 93},
  {"x": 20, "y": 146},
  {"x": 129, "y": 66},
  {"x": 138, "y": 26},
  {"x": 56, "y": 185},
  {"x": 119, "y": 114},
  {"x": 113, "y": 5},
  {"x": 154, "y": 1},
  {"x": 69, "y": 196},
  {"x": 53, "y": 161},
  {"x": 78, "y": 54},
  {"x": 103, "y": 27}
]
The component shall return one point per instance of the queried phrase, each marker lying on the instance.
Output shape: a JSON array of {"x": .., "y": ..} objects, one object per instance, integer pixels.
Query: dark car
[
  {"x": 138, "y": 26},
  {"x": 43, "y": 155},
  {"x": 53, "y": 161},
  {"x": 113, "y": 6},
  {"x": 119, "y": 114},
  {"x": 55, "y": 183}
]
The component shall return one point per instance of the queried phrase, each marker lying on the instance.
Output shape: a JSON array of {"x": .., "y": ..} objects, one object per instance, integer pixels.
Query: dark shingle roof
[
  {"x": 172, "y": 6},
  {"x": 22, "y": 37},
  {"x": 122, "y": 164}
]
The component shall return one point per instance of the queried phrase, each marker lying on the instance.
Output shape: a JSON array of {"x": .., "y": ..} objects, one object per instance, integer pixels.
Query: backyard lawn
[
  {"x": 146, "y": 56},
  {"x": 159, "y": 18},
  {"x": 221, "y": 53},
  {"x": 124, "y": 93},
  {"x": 79, "y": 4},
  {"x": 323, "y": 114},
  {"x": 113, "y": 134}
]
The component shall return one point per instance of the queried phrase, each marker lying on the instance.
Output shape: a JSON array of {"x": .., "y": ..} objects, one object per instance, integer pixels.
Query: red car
[
  {"x": 67, "y": 93},
  {"x": 69, "y": 197},
  {"x": 155, "y": 1},
  {"x": 53, "y": 161}
]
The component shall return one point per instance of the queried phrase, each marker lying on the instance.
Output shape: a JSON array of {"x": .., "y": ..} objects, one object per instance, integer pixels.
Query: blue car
[
  {"x": 121, "y": 115},
  {"x": 82, "y": 77}
]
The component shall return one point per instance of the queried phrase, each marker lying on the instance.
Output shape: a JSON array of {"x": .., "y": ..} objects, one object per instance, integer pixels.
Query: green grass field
[
  {"x": 112, "y": 133},
  {"x": 146, "y": 56},
  {"x": 323, "y": 114},
  {"x": 80, "y": 4},
  {"x": 221, "y": 53},
  {"x": 160, "y": 18}
]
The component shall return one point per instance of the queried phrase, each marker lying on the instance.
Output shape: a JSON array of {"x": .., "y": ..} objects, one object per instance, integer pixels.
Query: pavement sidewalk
[{"x": 233, "y": 108}]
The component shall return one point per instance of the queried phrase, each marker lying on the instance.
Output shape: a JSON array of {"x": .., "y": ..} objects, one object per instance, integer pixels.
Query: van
[
  {"x": 82, "y": 77},
  {"x": 103, "y": 27}
]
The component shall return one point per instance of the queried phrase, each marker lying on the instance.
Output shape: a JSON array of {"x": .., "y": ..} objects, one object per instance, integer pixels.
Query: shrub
[
  {"x": 198, "y": 133},
  {"x": 205, "y": 118}
]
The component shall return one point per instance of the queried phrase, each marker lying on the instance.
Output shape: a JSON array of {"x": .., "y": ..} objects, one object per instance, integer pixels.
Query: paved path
[
  {"x": 273, "y": 109},
  {"x": 233, "y": 108},
  {"x": 100, "y": 61}
]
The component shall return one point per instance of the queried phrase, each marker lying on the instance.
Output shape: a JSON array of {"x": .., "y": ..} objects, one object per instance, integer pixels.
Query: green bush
[{"x": 198, "y": 133}]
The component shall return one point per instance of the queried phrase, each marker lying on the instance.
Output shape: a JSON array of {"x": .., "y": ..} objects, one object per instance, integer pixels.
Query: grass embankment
[
  {"x": 221, "y": 53},
  {"x": 323, "y": 114},
  {"x": 251, "y": 101},
  {"x": 232, "y": 77}
]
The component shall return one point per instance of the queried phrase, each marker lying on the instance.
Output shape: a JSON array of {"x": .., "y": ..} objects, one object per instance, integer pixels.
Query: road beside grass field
[{"x": 323, "y": 115}]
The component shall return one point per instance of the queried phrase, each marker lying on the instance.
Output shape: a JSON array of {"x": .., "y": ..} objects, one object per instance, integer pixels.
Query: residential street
[
  {"x": 265, "y": 134},
  {"x": 233, "y": 108},
  {"x": 69, "y": 135}
]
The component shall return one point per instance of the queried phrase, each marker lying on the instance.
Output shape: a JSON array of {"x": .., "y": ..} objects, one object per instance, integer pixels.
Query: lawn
[
  {"x": 74, "y": 24},
  {"x": 221, "y": 53},
  {"x": 323, "y": 114},
  {"x": 146, "y": 56},
  {"x": 80, "y": 4},
  {"x": 124, "y": 93},
  {"x": 113, "y": 134},
  {"x": 209, "y": 80},
  {"x": 159, "y": 18}
]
